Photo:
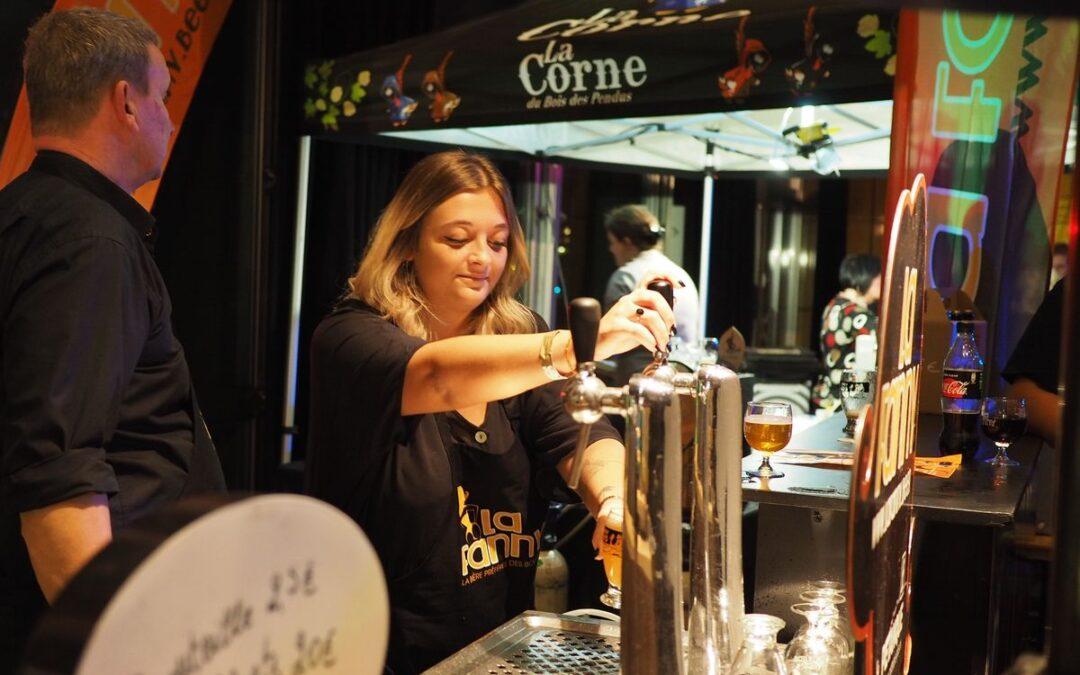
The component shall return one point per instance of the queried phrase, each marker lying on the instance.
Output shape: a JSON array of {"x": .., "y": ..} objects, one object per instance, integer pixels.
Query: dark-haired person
[
  {"x": 634, "y": 239},
  {"x": 1059, "y": 263},
  {"x": 848, "y": 315},
  {"x": 1033, "y": 368},
  {"x": 98, "y": 422}
]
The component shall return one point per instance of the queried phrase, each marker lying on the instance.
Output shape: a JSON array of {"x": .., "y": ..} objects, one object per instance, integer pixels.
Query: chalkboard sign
[
  {"x": 215, "y": 585},
  {"x": 881, "y": 516}
]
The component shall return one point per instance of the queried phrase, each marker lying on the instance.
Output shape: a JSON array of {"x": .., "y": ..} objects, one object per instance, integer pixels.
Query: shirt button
[{"x": 481, "y": 436}]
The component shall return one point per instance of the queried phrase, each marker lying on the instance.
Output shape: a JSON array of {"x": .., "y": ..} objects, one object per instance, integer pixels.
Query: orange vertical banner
[
  {"x": 187, "y": 29},
  {"x": 981, "y": 108}
]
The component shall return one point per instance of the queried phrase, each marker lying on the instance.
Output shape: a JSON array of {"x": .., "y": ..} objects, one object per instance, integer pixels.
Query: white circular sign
[{"x": 268, "y": 585}]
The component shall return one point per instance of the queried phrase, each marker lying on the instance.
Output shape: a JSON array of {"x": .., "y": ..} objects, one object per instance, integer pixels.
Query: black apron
[{"x": 479, "y": 571}]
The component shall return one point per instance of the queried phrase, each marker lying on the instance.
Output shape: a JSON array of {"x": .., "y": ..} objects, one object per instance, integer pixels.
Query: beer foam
[{"x": 767, "y": 419}]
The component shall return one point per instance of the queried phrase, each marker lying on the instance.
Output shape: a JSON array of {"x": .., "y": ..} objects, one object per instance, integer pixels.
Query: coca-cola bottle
[{"x": 961, "y": 390}]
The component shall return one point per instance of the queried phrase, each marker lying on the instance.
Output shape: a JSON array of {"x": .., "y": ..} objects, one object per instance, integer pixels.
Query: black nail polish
[
  {"x": 640, "y": 311},
  {"x": 674, "y": 331},
  {"x": 682, "y": 284}
]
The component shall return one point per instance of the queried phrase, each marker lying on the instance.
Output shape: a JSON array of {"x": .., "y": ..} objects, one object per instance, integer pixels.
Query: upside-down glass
[
  {"x": 767, "y": 427},
  {"x": 830, "y": 595},
  {"x": 1003, "y": 421},
  {"x": 819, "y": 647},
  {"x": 759, "y": 652},
  {"x": 611, "y": 554}
]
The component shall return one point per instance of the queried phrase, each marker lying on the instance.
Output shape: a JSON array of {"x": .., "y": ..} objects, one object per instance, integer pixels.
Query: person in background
[
  {"x": 436, "y": 416},
  {"x": 634, "y": 240},
  {"x": 1059, "y": 263},
  {"x": 98, "y": 419},
  {"x": 849, "y": 314},
  {"x": 1033, "y": 368}
]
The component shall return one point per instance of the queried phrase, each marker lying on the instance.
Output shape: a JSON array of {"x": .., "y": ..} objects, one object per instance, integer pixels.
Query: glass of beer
[
  {"x": 767, "y": 427},
  {"x": 611, "y": 554}
]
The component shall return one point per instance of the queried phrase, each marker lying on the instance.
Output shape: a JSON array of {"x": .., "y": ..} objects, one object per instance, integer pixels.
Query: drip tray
[{"x": 538, "y": 642}]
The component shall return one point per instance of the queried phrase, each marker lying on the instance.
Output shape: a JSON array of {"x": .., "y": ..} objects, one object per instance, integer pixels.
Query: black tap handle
[
  {"x": 584, "y": 325},
  {"x": 664, "y": 288}
]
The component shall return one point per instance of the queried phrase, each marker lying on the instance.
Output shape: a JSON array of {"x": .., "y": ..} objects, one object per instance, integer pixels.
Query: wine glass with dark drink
[{"x": 1003, "y": 421}]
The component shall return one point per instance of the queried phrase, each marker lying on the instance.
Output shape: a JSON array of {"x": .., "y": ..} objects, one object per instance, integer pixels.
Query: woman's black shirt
[{"x": 453, "y": 509}]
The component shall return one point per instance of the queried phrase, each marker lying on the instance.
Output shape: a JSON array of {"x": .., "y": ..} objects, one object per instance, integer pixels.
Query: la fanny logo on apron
[{"x": 492, "y": 540}]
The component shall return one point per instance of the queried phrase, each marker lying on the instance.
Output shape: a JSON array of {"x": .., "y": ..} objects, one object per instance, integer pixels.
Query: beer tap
[
  {"x": 585, "y": 394},
  {"x": 660, "y": 356},
  {"x": 715, "y": 602},
  {"x": 652, "y": 615}
]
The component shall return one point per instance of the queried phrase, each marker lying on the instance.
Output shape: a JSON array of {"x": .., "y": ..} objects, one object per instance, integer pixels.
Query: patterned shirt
[{"x": 841, "y": 322}]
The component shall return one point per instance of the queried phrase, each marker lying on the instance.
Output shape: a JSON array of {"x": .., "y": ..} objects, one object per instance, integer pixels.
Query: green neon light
[
  {"x": 973, "y": 56},
  {"x": 971, "y": 118}
]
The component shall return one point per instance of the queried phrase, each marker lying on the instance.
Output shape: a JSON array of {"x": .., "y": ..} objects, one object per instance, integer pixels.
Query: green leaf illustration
[
  {"x": 356, "y": 92},
  {"x": 329, "y": 121},
  {"x": 325, "y": 69},
  {"x": 324, "y": 89},
  {"x": 880, "y": 44},
  {"x": 310, "y": 78},
  {"x": 309, "y": 108}
]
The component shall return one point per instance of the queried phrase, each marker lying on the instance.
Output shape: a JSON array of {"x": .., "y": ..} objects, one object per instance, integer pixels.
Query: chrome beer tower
[{"x": 656, "y": 635}]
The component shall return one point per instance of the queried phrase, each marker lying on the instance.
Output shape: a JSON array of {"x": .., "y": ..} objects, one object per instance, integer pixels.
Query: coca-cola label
[{"x": 961, "y": 383}]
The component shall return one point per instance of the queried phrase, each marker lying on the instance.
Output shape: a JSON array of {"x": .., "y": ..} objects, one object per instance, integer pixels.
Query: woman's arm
[
  {"x": 602, "y": 479},
  {"x": 459, "y": 372}
]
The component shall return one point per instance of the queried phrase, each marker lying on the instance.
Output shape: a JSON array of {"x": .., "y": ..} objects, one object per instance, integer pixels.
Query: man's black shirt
[
  {"x": 95, "y": 394},
  {"x": 1037, "y": 356}
]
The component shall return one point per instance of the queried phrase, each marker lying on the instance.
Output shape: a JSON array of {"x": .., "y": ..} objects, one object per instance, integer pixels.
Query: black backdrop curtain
[
  {"x": 349, "y": 187},
  {"x": 731, "y": 291}
]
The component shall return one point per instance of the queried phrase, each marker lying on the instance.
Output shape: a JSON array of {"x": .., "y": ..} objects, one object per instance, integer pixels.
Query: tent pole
[
  {"x": 706, "y": 244},
  {"x": 293, "y": 353}
]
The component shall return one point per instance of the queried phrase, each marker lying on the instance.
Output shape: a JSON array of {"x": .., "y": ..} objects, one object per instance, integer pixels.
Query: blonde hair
[{"x": 385, "y": 279}]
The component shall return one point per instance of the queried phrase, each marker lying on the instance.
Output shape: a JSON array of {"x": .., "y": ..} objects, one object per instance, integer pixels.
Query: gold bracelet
[{"x": 545, "y": 357}]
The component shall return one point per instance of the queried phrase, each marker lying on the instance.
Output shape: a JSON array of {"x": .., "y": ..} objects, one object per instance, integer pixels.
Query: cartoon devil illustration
[
  {"x": 804, "y": 74},
  {"x": 400, "y": 107},
  {"x": 754, "y": 58},
  {"x": 443, "y": 101}
]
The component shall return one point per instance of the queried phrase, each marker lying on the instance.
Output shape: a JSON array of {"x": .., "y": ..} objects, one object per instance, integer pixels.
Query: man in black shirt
[
  {"x": 98, "y": 420},
  {"x": 1033, "y": 368}
]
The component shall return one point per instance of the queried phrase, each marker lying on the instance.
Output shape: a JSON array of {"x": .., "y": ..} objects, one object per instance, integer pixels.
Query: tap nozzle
[{"x": 582, "y": 396}]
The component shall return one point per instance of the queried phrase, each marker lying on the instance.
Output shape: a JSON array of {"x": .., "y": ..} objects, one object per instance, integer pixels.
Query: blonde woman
[{"x": 435, "y": 414}]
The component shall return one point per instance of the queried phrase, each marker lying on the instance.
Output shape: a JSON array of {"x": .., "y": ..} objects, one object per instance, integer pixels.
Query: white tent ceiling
[{"x": 742, "y": 141}]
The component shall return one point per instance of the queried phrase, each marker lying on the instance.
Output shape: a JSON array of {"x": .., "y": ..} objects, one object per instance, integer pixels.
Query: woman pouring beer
[{"x": 436, "y": 420}]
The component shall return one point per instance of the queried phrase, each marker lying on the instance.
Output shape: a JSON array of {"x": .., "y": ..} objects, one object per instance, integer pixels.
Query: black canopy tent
[{"x": 663, "y": 85}]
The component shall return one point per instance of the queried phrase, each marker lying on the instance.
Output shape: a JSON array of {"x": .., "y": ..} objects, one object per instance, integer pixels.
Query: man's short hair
[
  {"x": 858, "y": 271},
  {"x": 73, "y": 57},
  {"x": 634, "y": 222}
]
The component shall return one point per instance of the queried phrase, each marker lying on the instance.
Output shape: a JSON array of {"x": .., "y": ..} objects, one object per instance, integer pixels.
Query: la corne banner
[{"x": 548, "y": 61}]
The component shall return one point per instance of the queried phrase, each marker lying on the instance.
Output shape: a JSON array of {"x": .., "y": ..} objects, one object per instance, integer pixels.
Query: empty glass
[
  {"x": 759, "y": 652},
  {"x": 829, "y": 595},
  {"x": 819, "y": 647},
  {"x": 856, "y": 392}
]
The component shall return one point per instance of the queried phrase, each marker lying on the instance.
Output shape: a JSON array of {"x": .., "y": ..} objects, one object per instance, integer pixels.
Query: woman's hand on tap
[{"x": 641, "y": 318}]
